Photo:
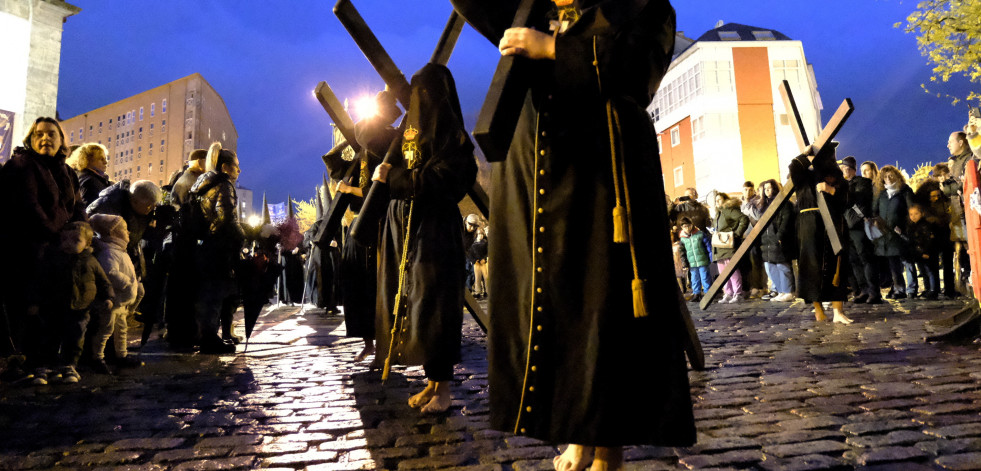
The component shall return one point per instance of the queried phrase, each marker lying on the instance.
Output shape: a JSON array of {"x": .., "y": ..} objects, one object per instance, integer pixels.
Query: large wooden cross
[
  {"x": 782, "y": 198},
  {"x": 366, "y": 40}
]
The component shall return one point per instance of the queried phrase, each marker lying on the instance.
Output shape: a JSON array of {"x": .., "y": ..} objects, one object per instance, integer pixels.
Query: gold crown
[{"x": 410, "y": 133}]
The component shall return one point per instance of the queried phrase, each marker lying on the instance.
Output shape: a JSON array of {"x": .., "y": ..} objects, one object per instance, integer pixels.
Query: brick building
[
  {"x": 719, "y": 115},
  {"x": 149, "y": 135}
]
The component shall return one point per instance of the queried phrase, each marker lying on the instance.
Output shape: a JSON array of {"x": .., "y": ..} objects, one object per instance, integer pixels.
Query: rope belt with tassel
[
  {"x": 623, "y": 227},
  {"x": 399, "y": 319}
]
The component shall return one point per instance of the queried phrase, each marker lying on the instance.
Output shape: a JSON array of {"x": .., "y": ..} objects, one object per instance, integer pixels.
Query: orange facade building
[
  {"x": 719, "y": 116},
  {"x": 150, "y": 135}
]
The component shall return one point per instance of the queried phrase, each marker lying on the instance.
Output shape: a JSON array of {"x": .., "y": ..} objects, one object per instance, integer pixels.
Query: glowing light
[
  {"x": 365, "y": 107},
  {"x": 254, "y": 220}
]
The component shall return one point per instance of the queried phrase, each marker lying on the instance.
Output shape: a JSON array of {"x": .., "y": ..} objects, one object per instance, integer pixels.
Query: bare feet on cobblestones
[
  {"x": 819, "y": 313},
  {"x": 574, "y": 458},
  {"x": 841, "y": 318},
  {"x": 369, "y": 349},
  {"x": 439, "y": 400},
  {"x": 607, "y": 459},
  {"x": 423, "y": 397}
]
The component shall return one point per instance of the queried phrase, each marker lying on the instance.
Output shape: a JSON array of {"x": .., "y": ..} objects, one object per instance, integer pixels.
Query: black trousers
[{"x": 865, "y": 269}]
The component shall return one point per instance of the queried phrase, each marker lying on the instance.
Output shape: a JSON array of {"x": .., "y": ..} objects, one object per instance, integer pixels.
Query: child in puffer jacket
[
  {"x": 75, "y": 283},
  {"x": 110, "y": 249},
  {"x": 696, "y": 249}
]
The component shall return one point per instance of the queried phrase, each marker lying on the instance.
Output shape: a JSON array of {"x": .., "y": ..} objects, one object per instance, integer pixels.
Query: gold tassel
[
  {"x": 640, "y": 301},
  {"x": 620, "y": 225}
]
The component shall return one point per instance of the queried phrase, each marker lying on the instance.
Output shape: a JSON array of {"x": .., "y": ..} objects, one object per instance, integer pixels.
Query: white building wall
[{"x": 15, "y": 35}]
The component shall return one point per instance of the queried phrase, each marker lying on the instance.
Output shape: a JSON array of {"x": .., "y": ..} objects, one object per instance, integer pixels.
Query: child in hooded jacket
[
  {"x": 75, "y": 282},
  {"x": 696, "y": 250},
  {"x": 110, "y": 249}
]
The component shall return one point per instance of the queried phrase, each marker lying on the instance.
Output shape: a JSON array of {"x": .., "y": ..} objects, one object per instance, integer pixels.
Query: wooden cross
[
  {"x": 366, "y": 40},
  {"x": 829, "y": 132},
  {"x": 335, "y": 212}
]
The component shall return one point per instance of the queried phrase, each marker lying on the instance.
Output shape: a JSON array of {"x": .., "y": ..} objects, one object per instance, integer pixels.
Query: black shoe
[
  {"x": 897, "y": 295},
  {"x": 874, "y": 300},
  {"x": 99, "y": 366},
  {"x": 952, "y": 294},
  {"x": 128, "y": 361},
  {"x": 217, "y": 348},
  {"x": 232, "y": 338},
  {"x": 930, "y": 295},
  {"x": 696, "y": 298},
  {"x": 860, "y": 299}
]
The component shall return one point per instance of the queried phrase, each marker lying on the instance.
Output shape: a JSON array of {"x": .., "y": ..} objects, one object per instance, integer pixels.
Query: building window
[
  {"x": 161, "y": 145},
  {"x": 717, "y": 76},
  {"x": 73, "y": 136},
  {"x": 163, "y": 106},
  {"x": 679, "y": 176},
  {"x": 163, "y": 125},
  {"x": 729, "y": 36},
  {"x": 697, "y": 128},
  {"x": 764, "y": 36},
  {"x": 675, "y": 136},
  {"x": 659, "y": 145},
  {"x": 789, "y": 70},
  {"x": 153, "y": 108},
  {"x": 141, "y": 113},
  {"x": 80, "y": 135}
]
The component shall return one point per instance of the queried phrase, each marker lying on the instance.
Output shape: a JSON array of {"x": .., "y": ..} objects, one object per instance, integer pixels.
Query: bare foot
[
  {"x": 369, "y": 349},
  {"x": 439, "y": 403},
  {"x": 819, "y": 313},
  {"x": 574, "y": 458},
  {"x": 423, "y": 397},
  {"x": 607, "y": 459},
  {"x": 841, "y": 318}
]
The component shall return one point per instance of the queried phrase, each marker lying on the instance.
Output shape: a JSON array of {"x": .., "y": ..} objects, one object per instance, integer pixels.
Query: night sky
[{"x": 265, "y": 58}]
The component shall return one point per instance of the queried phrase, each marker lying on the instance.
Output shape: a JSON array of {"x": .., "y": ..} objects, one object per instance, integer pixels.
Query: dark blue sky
[{"x": 265, "y": 58}]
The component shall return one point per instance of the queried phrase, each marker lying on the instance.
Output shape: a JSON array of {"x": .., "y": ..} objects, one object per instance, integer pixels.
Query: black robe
[
  {"x": 821, "y": 273},
  {"x": 569, "y": 362},
  {"x": 433, "y": 281},
  {"x": 357, "y": 269}
]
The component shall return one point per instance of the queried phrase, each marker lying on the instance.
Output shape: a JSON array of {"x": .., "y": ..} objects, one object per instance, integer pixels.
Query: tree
[
  {"x": 306, "y": 213},
  {"x": 949, "y": 35}
]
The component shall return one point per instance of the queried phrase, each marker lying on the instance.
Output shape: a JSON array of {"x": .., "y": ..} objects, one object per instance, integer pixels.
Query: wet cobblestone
[{"x": 780, "y": 392}]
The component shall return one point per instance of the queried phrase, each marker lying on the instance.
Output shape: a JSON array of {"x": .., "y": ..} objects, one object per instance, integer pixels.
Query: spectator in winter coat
[
  {"x": 753, "y": 270},
  {"x": 891, "y": 212},
  {"x": 110, "y": 249},
  {"x": 74, "y": 282},
  {"x": 195, "y": 168},
  {"x": 865, "y": 270},
  {"x": 89, "y": 162},
  {"x": 134, "y": 203},
  {"x": 779, "y": 244},
  {"x": 689, "y": 207},
  {"x": 730, "y": 222},
  {"x": 696, "y": 254},
  {"x": 939, "y": 213},
  {"x": 920, "y": 234},
  {"x": 40, "y": 195}
]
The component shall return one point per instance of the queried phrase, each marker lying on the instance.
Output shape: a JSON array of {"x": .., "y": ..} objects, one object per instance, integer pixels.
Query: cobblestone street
[{"x": 780, "y": 392}]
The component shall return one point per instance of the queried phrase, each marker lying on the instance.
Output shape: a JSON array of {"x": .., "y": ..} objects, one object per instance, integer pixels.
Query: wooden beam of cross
[
  {"x": 338, "y": 206},
  {"x": 366, "y": 40},
  {"x": 830, "y": 131}
]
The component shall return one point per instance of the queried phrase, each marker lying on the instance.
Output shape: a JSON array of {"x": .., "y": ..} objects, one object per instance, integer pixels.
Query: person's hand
[
  {"x": 897, "y": 230},
  {"x": 926, "y": 256},
  {"x": 822, "y": 187},
  {"x": 381, "y": 173},
  {"x": 344, "y": 187},
  {"x": 296, "y": 250},
  {"x": 527, "y": 42}
]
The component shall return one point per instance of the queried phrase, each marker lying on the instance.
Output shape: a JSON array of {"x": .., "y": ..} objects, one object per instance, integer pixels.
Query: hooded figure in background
[
  {"x": 573, "y": 357},
  {"x": 358, "y": 266},
  {"x": 217, "y": 226},
  {"x": 421, "y": 257}
]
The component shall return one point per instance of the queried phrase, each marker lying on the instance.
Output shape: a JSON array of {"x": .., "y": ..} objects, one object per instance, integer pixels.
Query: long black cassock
[
  {"x": 357, "y": 268},
  {"x": 441, "y": 170},
  {"x": 569, "y": 362},
  {"x": 821, "y": 273}
]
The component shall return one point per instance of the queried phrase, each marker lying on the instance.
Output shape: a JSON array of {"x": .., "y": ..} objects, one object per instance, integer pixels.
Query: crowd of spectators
[
  {"x": 88, "y": 250},
  {"x": 895, "y": 235}
]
